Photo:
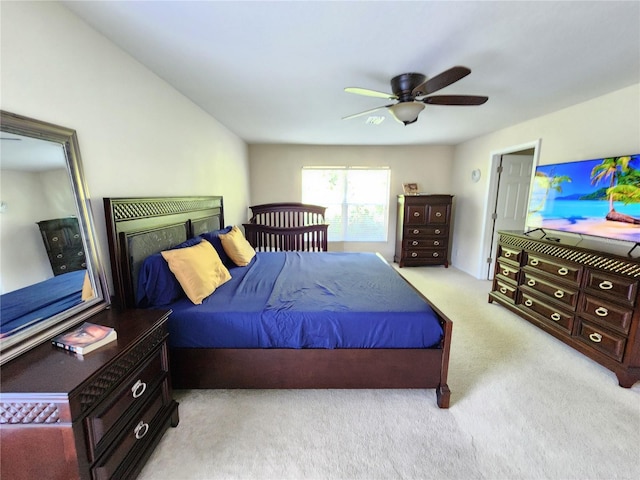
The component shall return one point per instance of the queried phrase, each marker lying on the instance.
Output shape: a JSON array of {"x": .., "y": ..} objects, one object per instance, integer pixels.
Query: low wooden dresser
[
  {"x": 97, "y": 416},
  {"x": 586, "y": 298},
  {"x": 422, "y": 232}
]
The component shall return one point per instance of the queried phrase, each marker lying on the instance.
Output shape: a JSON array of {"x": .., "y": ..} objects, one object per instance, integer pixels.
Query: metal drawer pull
[
  {"x": 558, "y": 294},
  {"x": 595, "y": 337},
  {"x": 528, "y": 302},
  {"x": 505, "y": 272},
  {"x": 606, "y": 285},
  {"x": 437, "y": 232},
  {"x": 507, "y": 254},
  {"x": 534, "y": 262},
  {"x": 531, "y": 282},
  {"x": 438, "y": 214},
  {"x": 436, "y": 254},
  {"x": 503, "y": 290},
  {"x": 555, "y": 317},
  {"x": 436, "y": 243},
  {"x": 602, "y": 312},
  {"x": 138, "y": 388},
  {"x": 563, "y": 271},
  {"x": 416, "y": 214},
  {"x": 414, "y": 243},
  {"x": 416, "y": 232},
  {"x": 141, "y": 430},
  {"x": 414, "y": 254}
]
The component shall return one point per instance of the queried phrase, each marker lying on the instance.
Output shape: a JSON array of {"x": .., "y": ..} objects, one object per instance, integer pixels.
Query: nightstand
[{"x": 95, "y": 416}]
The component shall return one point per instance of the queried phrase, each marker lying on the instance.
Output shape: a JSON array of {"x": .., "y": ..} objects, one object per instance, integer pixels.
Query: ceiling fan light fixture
[{"x": 406, "y": 112}]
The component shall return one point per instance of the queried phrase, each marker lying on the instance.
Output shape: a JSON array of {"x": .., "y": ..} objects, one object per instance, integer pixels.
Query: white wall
[
  {"x": 138, "y": 136},
  {"x": 22, "y": 254},
  {"x": 275, "y": 172},
  {"x": 605, "y": 126}
]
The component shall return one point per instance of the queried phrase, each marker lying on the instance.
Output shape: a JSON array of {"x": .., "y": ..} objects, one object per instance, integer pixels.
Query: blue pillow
[
  {"x": 214, "y": 239},
  {"x": 157, "y": 285}
]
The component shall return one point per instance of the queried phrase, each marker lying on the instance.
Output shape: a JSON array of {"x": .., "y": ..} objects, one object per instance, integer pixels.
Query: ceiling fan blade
[
  {"x": 455, "y": 100},
  {"x": 365, "y": 112},
  {"x": 370, "y": 93},
  {"x": 440, "y": 81}
]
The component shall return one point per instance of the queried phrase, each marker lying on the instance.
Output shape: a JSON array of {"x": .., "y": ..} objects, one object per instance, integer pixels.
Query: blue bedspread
[
  {"x": 26, "y": 306},
  {"x": 308, "y": 300}
]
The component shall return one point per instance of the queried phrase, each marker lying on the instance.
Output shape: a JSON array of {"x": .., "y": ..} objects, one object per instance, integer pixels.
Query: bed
[
  {"x": 140, "y": 228},
  {"x": 29, "y": 305}
]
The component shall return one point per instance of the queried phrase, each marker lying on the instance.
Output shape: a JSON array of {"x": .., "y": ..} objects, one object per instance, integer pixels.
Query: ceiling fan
[{"x": 411, "y": 90}]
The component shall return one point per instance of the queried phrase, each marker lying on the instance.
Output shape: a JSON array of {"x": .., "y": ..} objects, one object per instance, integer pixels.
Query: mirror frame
[{"x": 21, "y": 342}]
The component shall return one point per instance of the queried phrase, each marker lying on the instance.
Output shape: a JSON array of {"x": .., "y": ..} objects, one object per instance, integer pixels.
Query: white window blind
[{"x": 357, "y": 201}]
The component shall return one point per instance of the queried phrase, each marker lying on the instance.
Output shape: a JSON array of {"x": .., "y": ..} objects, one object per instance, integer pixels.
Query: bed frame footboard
[{"x": 200, "y": 368}]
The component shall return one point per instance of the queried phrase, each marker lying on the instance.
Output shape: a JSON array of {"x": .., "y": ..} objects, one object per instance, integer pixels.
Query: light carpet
[{"x": 523, "y": 406}]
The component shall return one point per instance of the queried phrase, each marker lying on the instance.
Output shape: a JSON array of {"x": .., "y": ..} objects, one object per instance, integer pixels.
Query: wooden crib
[{"x": 287, "y": 226}]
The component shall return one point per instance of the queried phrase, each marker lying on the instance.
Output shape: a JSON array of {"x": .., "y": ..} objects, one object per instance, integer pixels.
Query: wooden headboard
[{"x": 139, "y": 227}]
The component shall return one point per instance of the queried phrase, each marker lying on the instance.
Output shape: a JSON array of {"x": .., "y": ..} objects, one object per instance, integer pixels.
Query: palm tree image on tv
[
  {"x": 598, "y": 197},
  {"x": 624, "y": 185}
]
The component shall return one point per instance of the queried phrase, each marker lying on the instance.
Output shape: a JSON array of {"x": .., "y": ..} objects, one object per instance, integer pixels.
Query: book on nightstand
[{"x": 85, "y": 338}]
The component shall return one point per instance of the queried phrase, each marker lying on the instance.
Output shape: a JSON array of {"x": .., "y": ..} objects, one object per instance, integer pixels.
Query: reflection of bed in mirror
[{"x": 22, "y": 308}]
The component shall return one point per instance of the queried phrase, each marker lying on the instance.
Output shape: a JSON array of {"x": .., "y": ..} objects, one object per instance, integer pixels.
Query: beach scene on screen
[{"x": 599, "y": 197}]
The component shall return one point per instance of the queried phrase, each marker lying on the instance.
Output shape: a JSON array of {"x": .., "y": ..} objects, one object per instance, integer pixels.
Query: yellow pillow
[
  {"x": 198, "y": 269},
  {"x": 236, "y": 246}
]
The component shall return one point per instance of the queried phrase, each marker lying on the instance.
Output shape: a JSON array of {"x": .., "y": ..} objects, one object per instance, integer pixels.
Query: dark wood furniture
[
  {"x": 287, "y": 226},
  {"x": 63, "y": 242},
  {"x": 136, "y": 229},
  {"x": 96, "y": 416},
  {"x": 422, "y": 232},
  {"x": 586, "y": 298}
]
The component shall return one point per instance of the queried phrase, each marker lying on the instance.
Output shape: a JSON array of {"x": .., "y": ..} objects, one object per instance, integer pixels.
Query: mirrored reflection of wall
[{"x": 29, "y": 198}]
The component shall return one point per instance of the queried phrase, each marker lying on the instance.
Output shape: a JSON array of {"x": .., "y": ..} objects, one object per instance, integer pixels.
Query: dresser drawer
[
  {"x": 130, "y": 395},
  {"x": 138, "y": 432},
  {"x": 619, "y": 288},
  {"x": 434, "y": 254},
  {"x": 413, "y": 232},
  {"x": 551, "y": 315},
  {"x": 416, "y": 215},
  {"x": 510, "y": 254},
  {"x": 606, "y": 313},
  {"x": 508, "y": 271},
  {"x": 562, "y": 294},
  {"x": 424, "y": 243},
  {"x": 437, "y": 214},
  {"x": 602, "y": 340},
  {"x": 566, "y": 271},
  {"x": 505, "y": 288}
]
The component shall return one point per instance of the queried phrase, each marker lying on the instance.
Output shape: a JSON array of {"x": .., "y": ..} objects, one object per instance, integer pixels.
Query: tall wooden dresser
[
  {"x": 422, "y": 232},
  {"x": 63, "y": 242},
  {"x": 586, "y": 298},
  {"x": 97, "y": 416}
]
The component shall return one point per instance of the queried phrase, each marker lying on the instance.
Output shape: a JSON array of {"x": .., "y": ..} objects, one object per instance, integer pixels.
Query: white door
[{"x": 512, "y": 198}]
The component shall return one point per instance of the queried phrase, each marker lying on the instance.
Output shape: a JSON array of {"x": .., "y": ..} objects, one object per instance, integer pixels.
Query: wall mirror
[{"x": 50, "y": 275}]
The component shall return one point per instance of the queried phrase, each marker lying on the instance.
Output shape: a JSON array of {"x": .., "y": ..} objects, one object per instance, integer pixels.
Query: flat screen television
[{"x": 599, "y": 197}]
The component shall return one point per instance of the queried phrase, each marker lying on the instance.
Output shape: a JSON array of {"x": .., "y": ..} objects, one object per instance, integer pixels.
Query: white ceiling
[{"x": 274, "y": 71}]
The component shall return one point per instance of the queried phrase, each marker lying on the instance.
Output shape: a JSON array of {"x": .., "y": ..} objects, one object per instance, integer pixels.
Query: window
[{"x": 357, "y": 201}]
